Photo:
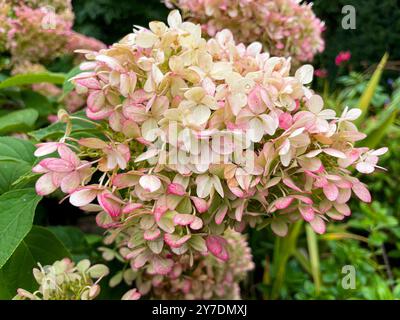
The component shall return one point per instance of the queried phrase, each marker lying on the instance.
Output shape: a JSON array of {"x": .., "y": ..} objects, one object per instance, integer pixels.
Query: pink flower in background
[
  {"x": 321, "y": 73},
  {"x": 284, "y": 27},
  {"x": 342, "y": 57}
]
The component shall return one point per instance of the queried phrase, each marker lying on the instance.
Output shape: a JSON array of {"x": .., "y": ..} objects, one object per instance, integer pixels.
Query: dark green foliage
[
  {"x": 109, "y": 20},
  {"x": 378, "y": 30}
]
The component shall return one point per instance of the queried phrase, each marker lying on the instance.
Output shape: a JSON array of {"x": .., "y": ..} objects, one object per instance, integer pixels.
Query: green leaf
[
  {"x": 39, "y": 246},
  {"x": 34, "y": 100},
  {"x": 10, "y": 171},
  {"x": 17, "y": 149},
  {"x": 375, "y": 137},
  {"x": 17, "y": 209},
  {"x": 369, "y": 92},
  {"x": 74, "y": 240},
  {"x": 32, "y": 78},
  {"x": 18, "y": 121},
  {"x": 68, "y": 85}
]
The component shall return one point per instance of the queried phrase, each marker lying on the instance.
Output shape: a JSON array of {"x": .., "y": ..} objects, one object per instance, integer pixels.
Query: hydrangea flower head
[
  {"x": 200, "y": 136},
  {"x": 63, "y": 280},
  {"x": 284, "y": 27}
]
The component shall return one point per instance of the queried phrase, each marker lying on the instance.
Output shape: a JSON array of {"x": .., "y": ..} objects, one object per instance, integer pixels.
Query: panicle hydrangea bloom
[
  {"x": 38, "y": 31},
  {"x": 4, "y": 25},
  {"x": 63, "y": 280},
  {"x": 30, "y": 41},
  {"x": 206, "y": 277},
  {"x": 285, "y": 27},
  {"x": 199, "y": 136}
]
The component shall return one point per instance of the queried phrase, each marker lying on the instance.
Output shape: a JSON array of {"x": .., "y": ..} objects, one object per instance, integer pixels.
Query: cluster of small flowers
[
  {"x": 199, "y": 136},
  {"x": 64, "y": 281},
  {"x": 37, "y": 32},
  {"x": 201, "y": 276},
  {"x": 285, "y": 27},
  {"x": 29, "y": 40},
  {"x": 4, "y": 25}
]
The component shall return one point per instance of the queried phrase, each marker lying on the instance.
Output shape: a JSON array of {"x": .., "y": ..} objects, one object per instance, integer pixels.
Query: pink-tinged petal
[
  {"x": 175, "y": 241},
  {"x": 217, "y": 246},
  {"x": 291, "y": 185},
  {"x": 159, "y": 212},
  {"x": 303, "y": 199},
  {"x": 318, "y": 225},
  {"x": 285, "y": 121},
  {"x": 68, "y": 155},
  {"x": 150, "y": 183},
  {"x": 83, "y": 197},
  {"x": 96, "y": 100},
  {"x": 104, "y": 220},
  {"x": 335, "y": 215},
  {"x": 279, "y": 227},
  {"x": 46, "y": 148},
  {"x": 45, "y": 185},
  {"x": 307, "y": 213},
  {"x": 132, "y": 294},
  {"x": 197, "y": 224},
  {"x": 39, "y": 169},
  {"x": 99, "y": 115},
  {"x": 109, "y": 203},
  {"x": 331, "y": 191},
  {"x": 344, "y": 195},
  {"x": 130, "y": 207},
  {"x": 57, "y": 165},
  {"x": 220, "y": 215},
  {"x": 342, "y": 208},
  {"x": 283, "y": 203},
  {"x": 125, "y": 180},
  {"x": 335, "y": 153},
  {"x": 176, "y": 189},
  {"x": 365, "y": 167},
  {"x": 162, "y": 266},
  {"x": 239, "y": 211},
  {"x": 70, "y": 182},
  {"x": 361, "y": 192},
  {"x": 90, "y": 83},
  {"x": 141, "y": 259},
  {"x": 151, "y": 234},
  {"x": 255, "y": 102},
  {"x": 343, "y": 184},
  {"x": 200, "y": 204},
  {"x": 183, "y": 219},
  {"x": 209, "y": 86},
  {"x": 93, "y": 143},
  {"x": 379, "y": 152},
  {"x": 125, "y": 155}
]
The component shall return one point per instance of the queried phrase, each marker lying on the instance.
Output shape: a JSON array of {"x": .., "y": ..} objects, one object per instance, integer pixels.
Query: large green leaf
[
  {"x": 32, "y": 78},
  {"x": 17, "y": 209},
  {"x": 39, "y": 246},
  {"x": 18, "y": 121},
  {"x": 11, "y": 171},
  {"x": 74, "y": 240},
  {"x": 17, "y": 149}
]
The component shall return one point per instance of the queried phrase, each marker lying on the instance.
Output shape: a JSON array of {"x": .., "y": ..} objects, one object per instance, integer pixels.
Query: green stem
[{"x": 283, "y": 250}]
